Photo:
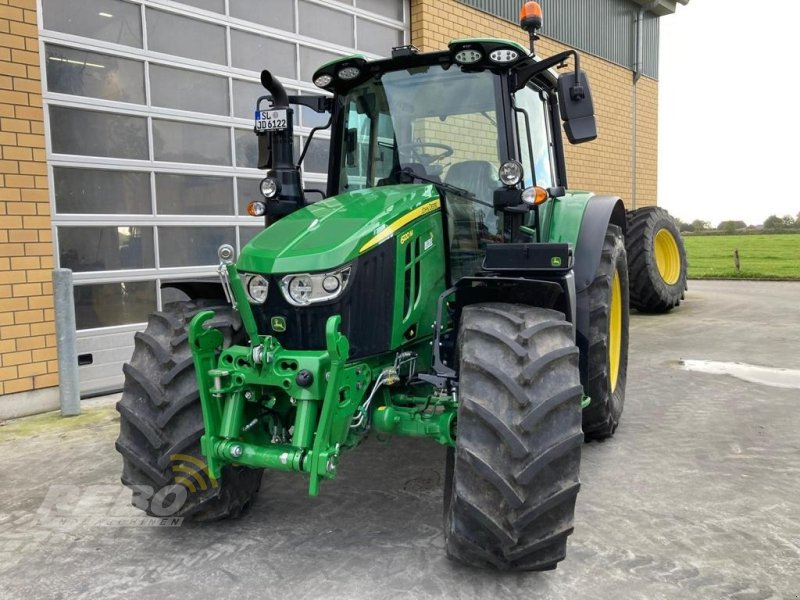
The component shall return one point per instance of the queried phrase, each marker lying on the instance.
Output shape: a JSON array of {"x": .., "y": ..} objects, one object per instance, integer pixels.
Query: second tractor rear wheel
[{"x": 657, "y": 260}]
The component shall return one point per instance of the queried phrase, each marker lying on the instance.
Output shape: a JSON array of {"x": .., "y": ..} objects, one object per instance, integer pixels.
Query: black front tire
[
  {"x": 511, "y": 483},
  {"x": 161, "y": 423},
  {"x": 650, "y": 291},
  {"x": 605, "y": 385}
]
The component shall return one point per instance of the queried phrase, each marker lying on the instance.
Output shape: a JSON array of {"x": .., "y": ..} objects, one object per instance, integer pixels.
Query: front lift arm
[
  {"x": 242, "y": 379},
  {"x": 246, "y": 389}
]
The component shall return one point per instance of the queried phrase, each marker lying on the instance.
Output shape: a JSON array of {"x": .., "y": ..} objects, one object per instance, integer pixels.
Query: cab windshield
[{"x": 440, "y": 124}]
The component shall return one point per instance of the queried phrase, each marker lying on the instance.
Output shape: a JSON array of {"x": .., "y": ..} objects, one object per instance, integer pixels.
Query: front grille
[{"x": 366, "y": 308}]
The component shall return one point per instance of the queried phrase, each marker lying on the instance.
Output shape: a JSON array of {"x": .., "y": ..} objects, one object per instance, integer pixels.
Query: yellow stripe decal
[{"x": 390, "y": 230}]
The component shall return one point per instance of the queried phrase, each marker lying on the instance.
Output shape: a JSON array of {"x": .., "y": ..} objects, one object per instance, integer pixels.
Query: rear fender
[
  {"x": 600, "y": 212},
  {"x": 586, "y": 229}
]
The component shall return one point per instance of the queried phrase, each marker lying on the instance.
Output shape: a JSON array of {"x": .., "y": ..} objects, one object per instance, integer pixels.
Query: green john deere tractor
[{"x": 448, "y": 286}]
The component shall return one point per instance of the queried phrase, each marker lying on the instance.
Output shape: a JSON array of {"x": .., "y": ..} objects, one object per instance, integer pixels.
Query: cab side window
[
  {"x": 369, "y": 149},
  {"x": 534, "y": 137}
]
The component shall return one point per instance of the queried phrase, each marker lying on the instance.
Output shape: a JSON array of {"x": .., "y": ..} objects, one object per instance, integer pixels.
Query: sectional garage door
[{"x": 151, "y": 154}]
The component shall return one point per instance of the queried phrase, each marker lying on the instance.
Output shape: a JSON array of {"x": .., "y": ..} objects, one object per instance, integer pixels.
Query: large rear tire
[
  {"x": 657, "y": 257},
  {"x": 512, "y": 480},
  {"x": 607, "y": 350},
  {"x": 161, "y": 423}
]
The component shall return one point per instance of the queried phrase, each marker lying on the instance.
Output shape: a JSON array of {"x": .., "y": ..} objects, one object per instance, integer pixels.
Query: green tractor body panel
[
  {"x": 330, "y": 233},
  {"x": 562, "y": 217}
]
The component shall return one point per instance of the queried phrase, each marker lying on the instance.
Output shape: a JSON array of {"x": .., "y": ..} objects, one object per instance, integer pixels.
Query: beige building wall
[
  {"x": 27, "y": 329},
  {"x": 604, "y": 166}
]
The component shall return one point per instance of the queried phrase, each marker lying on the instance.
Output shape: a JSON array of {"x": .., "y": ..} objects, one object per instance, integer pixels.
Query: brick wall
[
  {"x": 27, "y": 330},
  {"x": 603, "y": 166}
]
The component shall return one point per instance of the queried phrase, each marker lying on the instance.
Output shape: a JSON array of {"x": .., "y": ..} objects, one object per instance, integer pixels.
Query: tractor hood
[{"x": 330, "y": 233}]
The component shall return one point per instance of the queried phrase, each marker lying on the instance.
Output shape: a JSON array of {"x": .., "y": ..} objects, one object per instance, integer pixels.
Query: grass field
[{"x": 760, "y": 256}]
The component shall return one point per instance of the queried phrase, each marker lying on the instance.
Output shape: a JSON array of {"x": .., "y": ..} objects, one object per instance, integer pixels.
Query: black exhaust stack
[{"x": 276, "y": 152}]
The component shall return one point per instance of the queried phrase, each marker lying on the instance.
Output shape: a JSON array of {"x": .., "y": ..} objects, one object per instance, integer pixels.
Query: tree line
[{"x": 771, "y": 223}]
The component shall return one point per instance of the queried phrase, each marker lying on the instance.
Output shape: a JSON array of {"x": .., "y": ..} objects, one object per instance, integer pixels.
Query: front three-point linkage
[{"x": 241, "y": 384}]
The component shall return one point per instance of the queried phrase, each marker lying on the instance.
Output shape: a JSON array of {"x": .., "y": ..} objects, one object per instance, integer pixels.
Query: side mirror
[
  {"x": 577, "y": 108},
  {"x": 351, "y": 146}
]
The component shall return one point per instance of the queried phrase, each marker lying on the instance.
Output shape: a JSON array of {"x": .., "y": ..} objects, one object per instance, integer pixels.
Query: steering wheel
[{"x": 413, "y": 151}]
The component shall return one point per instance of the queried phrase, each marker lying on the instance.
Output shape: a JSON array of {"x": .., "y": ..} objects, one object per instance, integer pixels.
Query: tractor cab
[{"x": 480, "y": 122}]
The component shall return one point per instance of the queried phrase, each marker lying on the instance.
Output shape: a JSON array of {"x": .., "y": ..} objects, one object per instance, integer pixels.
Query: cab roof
[{"x": 342, "y": 74}]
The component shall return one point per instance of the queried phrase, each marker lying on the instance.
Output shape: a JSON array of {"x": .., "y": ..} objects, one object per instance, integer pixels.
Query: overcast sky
[{"x": 729, "y": 110}]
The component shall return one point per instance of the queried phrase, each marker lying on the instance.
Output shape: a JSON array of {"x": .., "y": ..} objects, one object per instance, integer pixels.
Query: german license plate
[{"x": 271, "y": 120}]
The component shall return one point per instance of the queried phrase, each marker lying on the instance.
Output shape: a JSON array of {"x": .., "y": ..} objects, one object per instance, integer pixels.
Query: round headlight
[
  {"x": 510, "y": 173},
  {"x": 300, "y": 289},
  {"x": 468, "y": 57},
  {"x": 349, "y": 73},
  {"x": 330, "y": 284},
  {"x": 257, "y": 289},
  {"x": 269, "y": 187},
  {"x": 323, "y": 81}
]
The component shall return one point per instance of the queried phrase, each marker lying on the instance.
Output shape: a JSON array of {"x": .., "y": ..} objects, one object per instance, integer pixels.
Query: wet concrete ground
[{"x": 697, "y": 496}]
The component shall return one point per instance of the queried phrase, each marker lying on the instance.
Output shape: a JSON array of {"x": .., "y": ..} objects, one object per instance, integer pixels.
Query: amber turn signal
[
  {"x": 256, "y": 209},
  {"x": 534, "y": 196}
]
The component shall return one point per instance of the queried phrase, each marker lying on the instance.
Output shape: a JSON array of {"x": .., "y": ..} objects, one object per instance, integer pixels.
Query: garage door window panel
[
  {"x": 280, "y": 14},
  {"x": 256, "y": 52},
  {"x": 175, "y": 141},
  {"x": 85, "y": 249},
  {"x": 107, "y": 20},
  {"x": 94, "y": 133},
  {"x": 192, "y": 246},
  {"x": 188, "y": 90},
  {"x": 378, "y": 39},
  {"x": 391, "y": 9},
  {"x": 97, "y": 191},
  {"x": 193, "y": 195},
  {"x": 113, "y": 304},
  {"x": 326, "y": 24},
  {"x": 82, "y": 73},
  {"x": 180, "y": 36}
]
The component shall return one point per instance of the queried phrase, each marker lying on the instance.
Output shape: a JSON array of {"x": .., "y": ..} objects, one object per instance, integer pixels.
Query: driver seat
[
  {"x": 466, "y": 219},
  {"x": 477, "y": 176}
]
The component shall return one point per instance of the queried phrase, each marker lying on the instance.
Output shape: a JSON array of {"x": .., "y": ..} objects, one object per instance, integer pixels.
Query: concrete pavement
[{"x": 697, "y": 496}]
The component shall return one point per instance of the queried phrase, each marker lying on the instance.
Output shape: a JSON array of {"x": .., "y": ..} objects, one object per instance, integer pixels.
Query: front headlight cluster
[
  {"x": 309, "y": 288},
  {"x": 256, "y": 287}
]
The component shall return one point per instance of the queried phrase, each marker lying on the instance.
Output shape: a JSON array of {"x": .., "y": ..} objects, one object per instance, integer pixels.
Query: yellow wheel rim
[
  {"x": 615, "y": 331},
  {"x": 668, "y": 258}
]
